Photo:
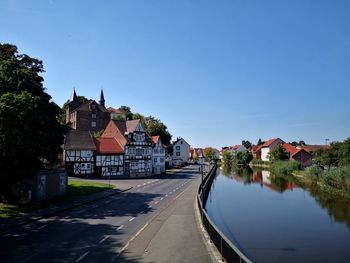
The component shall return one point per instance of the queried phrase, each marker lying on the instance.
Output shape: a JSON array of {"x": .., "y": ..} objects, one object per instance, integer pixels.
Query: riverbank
[{"x": 335, "y": 182}]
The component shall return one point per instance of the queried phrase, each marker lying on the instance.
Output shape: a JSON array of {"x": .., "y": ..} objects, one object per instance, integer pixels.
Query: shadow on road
[{"x": 88, "y": 231}]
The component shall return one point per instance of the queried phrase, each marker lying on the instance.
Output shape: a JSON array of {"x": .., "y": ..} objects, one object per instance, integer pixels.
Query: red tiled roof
[
  {"x": 155, "y": 138},
  {"x": 268, "y": 143},
  {"x": 312, "y": 148},
  {"x": 235, "y": 147},
  {"x": 290, "y": 148},
  {"x": 108, "y": 145}
]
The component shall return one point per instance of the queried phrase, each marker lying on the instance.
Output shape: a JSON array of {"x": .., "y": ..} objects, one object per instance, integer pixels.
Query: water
[{"x": 272, "y": 219}]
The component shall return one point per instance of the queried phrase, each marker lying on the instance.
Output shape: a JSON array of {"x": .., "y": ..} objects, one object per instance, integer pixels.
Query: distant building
[
  {"x": 300, "y": 155},
  {"x": 117, "y": 113},
  {"x": 158, "y": 155},
  {"x": 88, "y": 116},
  {"x": 233, "y": 150},
  {"x": 268, "y": 146}
]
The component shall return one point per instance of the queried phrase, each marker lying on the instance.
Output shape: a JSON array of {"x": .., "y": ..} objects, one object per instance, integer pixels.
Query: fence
[{"x": 229, "y": 252}]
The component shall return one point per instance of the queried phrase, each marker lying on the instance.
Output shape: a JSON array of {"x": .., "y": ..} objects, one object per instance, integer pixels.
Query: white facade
[
  {"x": 111, "y": 164},
  {"x": 158, "y": 158},
  {"x": 181, "y": 150},
  {"x": 265, "y": 151},
  {"x": 82, "y": 161}
]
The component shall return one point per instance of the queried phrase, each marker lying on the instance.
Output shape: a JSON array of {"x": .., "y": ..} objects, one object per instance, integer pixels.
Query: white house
[
  {"x": 181, "y": 150},
  {"x": 158, "y": 155},
  {"x": 233, "y": 150},
  {"x": 268, "y": 146}
]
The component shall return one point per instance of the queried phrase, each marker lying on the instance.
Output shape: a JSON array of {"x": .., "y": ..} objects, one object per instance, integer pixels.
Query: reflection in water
[{"x": 275, "y": 219}]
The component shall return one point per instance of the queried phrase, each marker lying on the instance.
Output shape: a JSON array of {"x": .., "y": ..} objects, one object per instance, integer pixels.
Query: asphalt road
[{"x": 103, "y": 230}]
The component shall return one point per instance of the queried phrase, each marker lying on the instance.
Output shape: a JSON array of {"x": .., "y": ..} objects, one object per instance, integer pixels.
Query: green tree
[
  {"x": 247, "y": 144},
  {"x": 128, "y": 113},
  {"x": 278, "y": 154},
  {"x": 227, "y": 158},
  {"x": 156, "y": 127},
  {"x": 243, "y": 158},
  {"x": 209, "y": 154},
  {"x": 260, "y": 142},
  {"x": 301, "y": 143},
  {"x": 30, "y": 133},
  {"x": 294, "y": 143}
]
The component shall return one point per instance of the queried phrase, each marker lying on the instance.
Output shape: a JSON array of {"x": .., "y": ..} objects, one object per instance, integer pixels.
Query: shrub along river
[{"x": 273, "y": 219}]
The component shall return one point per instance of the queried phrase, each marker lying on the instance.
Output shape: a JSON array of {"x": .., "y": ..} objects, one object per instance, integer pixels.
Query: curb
[
  {"x": 211, "y": 248},
  {"x": 50, "y": 214}
]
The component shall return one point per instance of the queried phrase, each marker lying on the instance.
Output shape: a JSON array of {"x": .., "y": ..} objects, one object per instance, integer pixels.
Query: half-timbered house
[
  {"x": 79, "y": 148},
  {"x": 136, "y": 144},
  {"x": 109, "y": 158}
]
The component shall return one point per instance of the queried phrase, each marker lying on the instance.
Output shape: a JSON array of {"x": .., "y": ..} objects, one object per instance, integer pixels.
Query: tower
[
  {"x": 102, "y": 99},
  {"x": 72, "y": 105}
]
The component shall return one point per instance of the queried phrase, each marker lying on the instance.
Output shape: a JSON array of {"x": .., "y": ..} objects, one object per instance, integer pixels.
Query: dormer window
[
  {"x": 93, "y": 115},
  {"x": 93, "y": 124}
]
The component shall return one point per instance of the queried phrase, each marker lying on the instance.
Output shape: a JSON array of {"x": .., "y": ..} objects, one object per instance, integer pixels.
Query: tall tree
[
  {"x": 260, "y": 142},
  {"x": 30, "y": 133},
  {"x": 156, "y": 127},
  {"x": 209, "y": 154},
  {"x": 247, "y": 144},
  {"x": 278, "y": 154}
]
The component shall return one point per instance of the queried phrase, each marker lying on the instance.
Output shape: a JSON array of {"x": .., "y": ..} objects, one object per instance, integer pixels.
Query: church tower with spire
[
  {"x": 102, "y": 99},
  {"x": 72, "y": 105}
]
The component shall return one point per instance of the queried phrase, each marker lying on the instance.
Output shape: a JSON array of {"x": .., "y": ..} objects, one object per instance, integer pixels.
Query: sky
[{"x": 215, "y": 72}]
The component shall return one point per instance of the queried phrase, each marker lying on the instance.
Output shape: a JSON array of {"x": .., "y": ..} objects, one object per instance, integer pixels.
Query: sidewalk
[
  {"x": 56, "y": 206},
  {"x": 172, "y": 235}
]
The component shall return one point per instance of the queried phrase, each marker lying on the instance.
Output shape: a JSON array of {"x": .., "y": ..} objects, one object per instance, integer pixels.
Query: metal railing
[{"x": 229, "y": 252}]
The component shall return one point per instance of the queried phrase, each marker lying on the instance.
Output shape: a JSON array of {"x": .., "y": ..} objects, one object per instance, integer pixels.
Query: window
[
  {"x": 155, "y": 160},
  {"x": 178, "y": 148},
  {"x": 93, "y": 115},
  {"x": 177, "y": 153},
  {"x": 162, "y": 160},
  {"x": 93, "y": 124}
]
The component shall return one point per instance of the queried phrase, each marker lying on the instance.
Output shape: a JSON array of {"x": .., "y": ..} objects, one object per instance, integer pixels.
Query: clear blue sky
[{"x": 216, "y": 72}]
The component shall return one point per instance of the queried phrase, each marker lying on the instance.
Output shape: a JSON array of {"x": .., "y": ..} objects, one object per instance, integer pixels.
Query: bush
[
  {"x": 285, "y": 167},
  {"x": 338, "y": 179}
]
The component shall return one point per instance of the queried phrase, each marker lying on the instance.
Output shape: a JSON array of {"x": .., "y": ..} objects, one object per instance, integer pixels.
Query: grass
[
  {"x": 8, "y": 210},
  {"x": 170, "y": 170},
  {"x": 76, "y": 187},
  {"x": 285, "y": 167}
]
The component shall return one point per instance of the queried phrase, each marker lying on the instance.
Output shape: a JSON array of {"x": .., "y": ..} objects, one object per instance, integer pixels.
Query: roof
[
  {"x": 126, "y": 126},
  {"x": 108, "y": 145},
  {"x": 179, "y": 139},
  {"x": 86, "y": 106},
  {"x": 235, "y": 147},
  {"x": 293, "y": 150},
  {"x": 79, "y": 140},
  {"x": 155, "y": 138},
  {"x": 290, "y": 148},
  {"x": 312, "y": 148},
  {"x": 269, "y": 142}
]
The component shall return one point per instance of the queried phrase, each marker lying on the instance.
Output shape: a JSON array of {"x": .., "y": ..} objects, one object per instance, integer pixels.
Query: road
[{"x": 119, "y": 228}]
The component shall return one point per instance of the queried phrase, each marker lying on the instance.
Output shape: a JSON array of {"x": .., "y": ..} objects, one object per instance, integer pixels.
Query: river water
[{"x": 272, "y": 219}]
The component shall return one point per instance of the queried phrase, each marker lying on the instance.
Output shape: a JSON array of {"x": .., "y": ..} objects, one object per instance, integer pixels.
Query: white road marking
[
  {"x": 103, "y": 239},
  {"x": 42, "y": 227},
  {"x": 179, "y": 195},
  {"x": 127, "y": 244},
  {"x": 131, "y": 219},
  {"x": 161, "y": 199},
  {"x": 82, "y": 256},
  {"x": 120, "y": 227},
  {"x": 156, "y": 202}
]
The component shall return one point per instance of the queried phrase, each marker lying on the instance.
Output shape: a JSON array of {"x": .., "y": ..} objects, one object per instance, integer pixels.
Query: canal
[{"x": 273, "y": 219}]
